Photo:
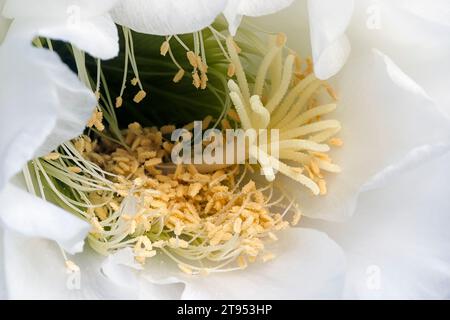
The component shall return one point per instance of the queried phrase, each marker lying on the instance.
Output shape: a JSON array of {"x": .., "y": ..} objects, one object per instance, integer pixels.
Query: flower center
[{"x": 205, "y": 218}]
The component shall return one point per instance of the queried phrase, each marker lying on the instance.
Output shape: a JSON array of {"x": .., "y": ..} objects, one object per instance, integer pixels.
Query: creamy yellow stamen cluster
[
  {"x": 203, "y": 221},
  {"x": 285, "y": 97}
]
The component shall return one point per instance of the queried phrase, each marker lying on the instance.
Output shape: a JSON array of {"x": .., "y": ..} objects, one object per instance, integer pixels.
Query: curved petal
[
  {"x": 438, "y": 13},
  {"x": 236, "y": 9},
  {"x": 42, "y": 104},
  {"x": 86, "y": 24},
  {"x": 328, "y": 21},
  {"x": 35, "y": 269},
  {"x": 60, "y": 9},
  {"x": 388, "y": 122},
  {"x": 308, "y": 265},
  {"x": 122, "y": 268},
  {"x": 256, "y": 8},
  {"x": 33, "y": 217},
  {"x": 413, "y": 34},
  {"x": 167, "y": 17},
  {"x": 97, "y": 36},
  {"x": 399, "y": 247}
]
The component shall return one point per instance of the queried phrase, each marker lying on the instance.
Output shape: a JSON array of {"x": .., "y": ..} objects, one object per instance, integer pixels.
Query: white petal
[
  {"x": 122, "y": 269},
  {"x": 42, "y": 104},
  {"x": 437, "y": 12},
  {"x": 308, "y": 265},
  {"x": 388, "y": 123},
  {"x": 35, "y": 269},
  {"x": 97, "y": 36},
  {"x": 86, "y": 24},
  {"x": 329, "y": 20},
  {"x": 236, "y": 9},
  {"x": 398, "y": 242},
  {"x": 233, "y": 16},
  {"x": 415, "y": 35},
  {"x": 60, "y": 9},
  {"x": 256, "y": 8},
  {"x": 28, "y": 215},
  {"x": 167, "y": 17}
]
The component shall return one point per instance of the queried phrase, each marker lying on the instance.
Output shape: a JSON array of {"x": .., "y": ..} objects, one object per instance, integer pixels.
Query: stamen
[
  {"x": 282, "y": 110},
  {"x": 285, "y": 82},
  {"x": 131, "y": 56},
  {"x": 310, "y": 128},
  {"x": 243, "y": 84}
]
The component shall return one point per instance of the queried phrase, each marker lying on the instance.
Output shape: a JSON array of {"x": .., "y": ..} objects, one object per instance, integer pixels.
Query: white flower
[
  {"x": 43, "y": 103},
  {"x": 185, "y": 16},
  {"x": 389, "y": 123}
]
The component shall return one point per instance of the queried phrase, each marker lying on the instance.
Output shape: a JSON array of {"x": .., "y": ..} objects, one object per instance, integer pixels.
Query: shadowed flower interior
[{"x": 119, "y": 177}]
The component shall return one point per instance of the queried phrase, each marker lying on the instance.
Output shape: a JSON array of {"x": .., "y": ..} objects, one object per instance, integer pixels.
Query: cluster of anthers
[
  {"x": 205, "y": 222},
  {"x": 285, "y": 98}
]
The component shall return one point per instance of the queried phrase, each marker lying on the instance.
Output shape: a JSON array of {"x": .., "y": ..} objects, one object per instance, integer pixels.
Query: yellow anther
[
  {"x": 203, "y": 81},
  {"x": 140, "y": 96},
  {"x": 164, "y": 48},
  {"x": 134, "y": 81},
  {"x": 237, "y": 225},
  {"x": 322, "y": 186},
  {"x": 196, "y": 81},
  {"x": 178, "y": 76},
  {"x": 168, "y": 129},
  {"x": 119, "y": 102},
  {"x": 74, "y": 169},
  {"x": 192, "y": 57},
  {"x": 52, "y": 156},
  {"x": 249, "y": 187},
  {"x": 194, "y": 189}
]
